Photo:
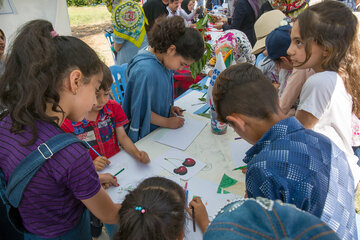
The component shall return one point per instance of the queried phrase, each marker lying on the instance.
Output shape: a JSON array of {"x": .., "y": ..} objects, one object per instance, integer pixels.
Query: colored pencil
[
  {"x": 186, "y": 196},
  {"x": 237, "y": 138},
  {"x": 239, "y": 168},
  {"x": 193, "y": 218},
  {"x": 92, "y": 148},
  {"x": 119, "y": 172}
]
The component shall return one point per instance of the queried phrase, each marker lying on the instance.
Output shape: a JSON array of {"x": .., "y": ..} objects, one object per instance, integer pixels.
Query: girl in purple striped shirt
[{"x": 49, "y": 78}]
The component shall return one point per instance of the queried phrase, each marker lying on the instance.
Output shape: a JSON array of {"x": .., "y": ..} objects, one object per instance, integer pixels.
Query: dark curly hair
[
  {"x": 172, "y": 31},
  {"x": 332, "y": 24},
  {"x": 164, "y": 219},
  {"x": 244, "y": 89},
  {"x": 35, "y": 70}
]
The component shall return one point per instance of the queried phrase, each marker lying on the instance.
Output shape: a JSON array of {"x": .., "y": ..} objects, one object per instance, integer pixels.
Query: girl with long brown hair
[{"x": 325, "y": 38}]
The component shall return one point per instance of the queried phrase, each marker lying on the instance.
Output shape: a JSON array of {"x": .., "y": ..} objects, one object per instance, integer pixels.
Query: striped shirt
[{"x": 51, "y": 203}]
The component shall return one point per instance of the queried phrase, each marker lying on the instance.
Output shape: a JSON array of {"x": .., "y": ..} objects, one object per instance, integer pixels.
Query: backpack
[{"x": 11, "y": 194}]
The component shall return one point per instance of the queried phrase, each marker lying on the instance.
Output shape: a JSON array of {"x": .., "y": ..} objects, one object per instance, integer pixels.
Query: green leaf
[{"x": 202, "y": 99}]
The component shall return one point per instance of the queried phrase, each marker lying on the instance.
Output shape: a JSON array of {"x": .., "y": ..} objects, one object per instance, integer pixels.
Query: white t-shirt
[{"x": 325, "y": 97}]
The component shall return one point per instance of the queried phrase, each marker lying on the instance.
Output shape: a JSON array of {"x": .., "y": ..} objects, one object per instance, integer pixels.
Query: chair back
[
  {"x": 110, "y": 41},
  {"x": 119, "y": 85}
]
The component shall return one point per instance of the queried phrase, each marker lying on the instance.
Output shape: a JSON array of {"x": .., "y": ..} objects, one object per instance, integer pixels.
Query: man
[{"x": 287, "y": 161}]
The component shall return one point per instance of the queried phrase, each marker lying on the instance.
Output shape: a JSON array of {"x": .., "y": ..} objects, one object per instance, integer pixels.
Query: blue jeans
[{"x": 80, "y": 232}]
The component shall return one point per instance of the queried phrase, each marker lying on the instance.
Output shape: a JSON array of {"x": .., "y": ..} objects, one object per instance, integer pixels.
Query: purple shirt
[{"x": 51, "y": 203}]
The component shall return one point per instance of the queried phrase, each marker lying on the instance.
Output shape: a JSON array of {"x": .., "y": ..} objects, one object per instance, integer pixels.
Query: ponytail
[
  {"x": 38, "y": 62},
  {"x": 154, "y": 210}
]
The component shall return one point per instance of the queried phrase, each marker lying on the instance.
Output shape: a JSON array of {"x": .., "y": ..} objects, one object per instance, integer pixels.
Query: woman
[{"x": 243, "y": 18}]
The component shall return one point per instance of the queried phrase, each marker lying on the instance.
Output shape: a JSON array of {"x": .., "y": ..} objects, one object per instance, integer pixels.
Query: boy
[
  {"x": 287, "y": 161},
  {"x": 103, "y": 127},
  {"x": 277, "y": 43},
  {"x": 103, "y": 130}
]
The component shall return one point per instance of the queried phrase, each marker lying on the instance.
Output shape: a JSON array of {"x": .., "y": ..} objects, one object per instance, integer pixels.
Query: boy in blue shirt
[{"x": 287, "y": 162}]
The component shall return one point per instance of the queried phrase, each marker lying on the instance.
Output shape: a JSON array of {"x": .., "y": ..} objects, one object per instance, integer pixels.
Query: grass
[{"x": 88, "y": 15}]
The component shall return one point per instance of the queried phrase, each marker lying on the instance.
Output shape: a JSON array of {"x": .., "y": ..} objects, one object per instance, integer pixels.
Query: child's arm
[
  {"x": 130, "y": 147},
  {"x": 201, "y": 215},
  {"x": 171, "y": 122},
  {"x": 103, "y": 207},
  {"x": 307, "y": 119},
  {"x": 100, "y": 163}
]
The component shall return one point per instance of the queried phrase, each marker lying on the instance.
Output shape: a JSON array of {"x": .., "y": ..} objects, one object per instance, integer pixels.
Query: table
[
  {"x": 207, "y": 147},
  {"x": 187, "y": 98}
]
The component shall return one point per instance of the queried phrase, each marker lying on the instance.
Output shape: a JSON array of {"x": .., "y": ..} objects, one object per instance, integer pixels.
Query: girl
[
  {"x": 154, "y": 210},
  {"x": 187, "y": 9},
  {"x": 149, "y": 95},
  {"x": 324, "y": 38},
  {"x": 49, "y": 78},
  {"x": 2, "y": 50}
]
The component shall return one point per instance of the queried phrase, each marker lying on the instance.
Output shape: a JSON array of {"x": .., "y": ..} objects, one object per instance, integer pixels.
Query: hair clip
[
  {"x": 140, "y": 209},
  {"x": 53, "y": 34}
]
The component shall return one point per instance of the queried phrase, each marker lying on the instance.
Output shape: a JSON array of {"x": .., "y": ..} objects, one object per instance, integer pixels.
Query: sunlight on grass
[{"x": 88, "y": 15}]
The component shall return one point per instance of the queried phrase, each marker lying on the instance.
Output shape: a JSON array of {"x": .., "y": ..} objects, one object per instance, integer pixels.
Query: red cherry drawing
[
  {"x": 189, "y": 162},
  {"x": 180, "y": 170}
]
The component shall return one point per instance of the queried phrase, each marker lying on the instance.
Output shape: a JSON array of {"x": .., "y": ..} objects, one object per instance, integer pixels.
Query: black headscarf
[{"x": 184, "y": 5}]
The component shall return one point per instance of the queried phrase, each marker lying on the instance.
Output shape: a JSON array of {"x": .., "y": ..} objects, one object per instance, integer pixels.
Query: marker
[
  {"x": 193, "y": 218},
  {"x": 237, "y": 138},
  {"x": 239, "y": 167},
  {"x": 119, "y": 172},
  {"x": 92, "y": 148}
]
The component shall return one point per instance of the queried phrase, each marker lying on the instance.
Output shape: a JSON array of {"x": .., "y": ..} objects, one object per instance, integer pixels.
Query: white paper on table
[
  {"x": 180, "y": 138},
  {"x": 211, "y": 199},
  {"x": 133, "y": 174},
  {"x": 191, "y": 101},
  {"x": 174, "y": 159},
  {"x": 238, "y": 150}
]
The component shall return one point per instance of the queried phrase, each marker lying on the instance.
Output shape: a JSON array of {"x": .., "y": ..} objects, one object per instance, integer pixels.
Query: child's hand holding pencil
[{"x": 198, "y": 213}]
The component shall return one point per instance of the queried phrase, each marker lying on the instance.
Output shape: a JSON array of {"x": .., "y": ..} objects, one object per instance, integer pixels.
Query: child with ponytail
[
  {"x": 154, "y": 210},
  {"x": 49, "y": 78}
]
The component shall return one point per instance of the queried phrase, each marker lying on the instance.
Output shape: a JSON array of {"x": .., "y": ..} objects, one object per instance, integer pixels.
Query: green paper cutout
[{"x": 226, "y": 182}]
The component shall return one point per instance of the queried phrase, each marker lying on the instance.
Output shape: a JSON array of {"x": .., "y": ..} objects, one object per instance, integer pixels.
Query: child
[
  {"x": 260, "y": 218},
  {"x": 149, "y": 95},
  {"x": 154, "y": 210},
  {"x": 286, "y": 162},
  {"x": 324, "y": 38},
  {"x": 276, "y": 44},
  {"x": 49, "y": 78},
  {"x": 103, "y": 127}
]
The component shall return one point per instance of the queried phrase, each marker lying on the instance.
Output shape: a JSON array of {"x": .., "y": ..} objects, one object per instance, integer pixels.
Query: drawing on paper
[{"x": 181, "y": 170}]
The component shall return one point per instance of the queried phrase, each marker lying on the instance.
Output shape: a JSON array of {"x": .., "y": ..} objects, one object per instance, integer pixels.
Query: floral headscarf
[
  {"x": 291, "y": 8},
  {"x": 238, "y": 42}
]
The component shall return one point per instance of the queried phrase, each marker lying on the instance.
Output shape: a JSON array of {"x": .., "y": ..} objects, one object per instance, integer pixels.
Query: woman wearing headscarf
[
  {"x": 243, "y": 18},
  {"x": 128, "y": 22},
  {"x": 291, "y": 8}
]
